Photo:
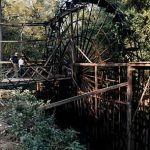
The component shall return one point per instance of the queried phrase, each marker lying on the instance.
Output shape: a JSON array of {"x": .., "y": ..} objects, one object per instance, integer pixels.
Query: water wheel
[{"x": 85, "y": 31}]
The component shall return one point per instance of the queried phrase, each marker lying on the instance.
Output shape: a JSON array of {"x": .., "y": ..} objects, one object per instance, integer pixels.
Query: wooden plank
[{"x": 79, "y": 97}]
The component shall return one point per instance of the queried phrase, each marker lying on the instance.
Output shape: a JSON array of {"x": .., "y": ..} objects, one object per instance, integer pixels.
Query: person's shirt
[
  {"x": 14, "y": 59},
  {"x": 21, "y": 62}
]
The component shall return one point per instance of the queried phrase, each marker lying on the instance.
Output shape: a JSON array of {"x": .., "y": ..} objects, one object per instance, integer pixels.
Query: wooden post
[
  {"x": 0, "y": 38},
  {"x": 129, "y": 99},
  {"x": 0, "y": 30},
  {"x": 96, "y": 87},
  {"x": 119, "y": 79},
  {"x": 46, "y": 43}
]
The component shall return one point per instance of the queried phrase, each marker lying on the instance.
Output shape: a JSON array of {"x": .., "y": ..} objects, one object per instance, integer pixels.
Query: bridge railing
[
  {"x": 30, "y": 72},
  {"x": 5, "y": 68}
]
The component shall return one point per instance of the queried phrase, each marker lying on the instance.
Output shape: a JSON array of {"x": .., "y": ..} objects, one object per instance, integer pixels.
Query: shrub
[{"x": 35, "y": 130}]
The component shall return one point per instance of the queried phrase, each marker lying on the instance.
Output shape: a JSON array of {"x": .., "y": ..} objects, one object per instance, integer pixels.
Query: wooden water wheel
[{"x": 85, "y": 31}]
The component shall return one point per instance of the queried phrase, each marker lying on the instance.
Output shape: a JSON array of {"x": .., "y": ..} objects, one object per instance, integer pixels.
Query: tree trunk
[{"x": 0, "y": 31}]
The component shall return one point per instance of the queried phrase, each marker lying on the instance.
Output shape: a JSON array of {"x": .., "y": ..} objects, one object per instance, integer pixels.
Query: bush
[{"x": 35, "y": 130}]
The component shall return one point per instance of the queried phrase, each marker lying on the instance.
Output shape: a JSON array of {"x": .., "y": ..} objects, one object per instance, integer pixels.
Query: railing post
[{"x": 129, "y": 99}]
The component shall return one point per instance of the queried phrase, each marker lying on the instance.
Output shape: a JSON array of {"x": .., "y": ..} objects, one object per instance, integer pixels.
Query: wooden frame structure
[
  {"x": 102, "y": 91},
  {"x": 131, "y": 67}
]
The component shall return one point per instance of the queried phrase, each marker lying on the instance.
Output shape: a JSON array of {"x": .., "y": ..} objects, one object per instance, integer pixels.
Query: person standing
[
  {"x": 21, "y": 66},
  {"x": 14, "y": 60}
]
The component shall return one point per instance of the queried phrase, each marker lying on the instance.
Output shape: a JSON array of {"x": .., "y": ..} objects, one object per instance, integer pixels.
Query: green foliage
[
  {"x": 37, "y": 131},
  {"x": 29, "y": 11},
  {"x": 138, "y": 16},
  {"x": 140, "y": 25},
  {"x": 139, "y": 5},
  {"x": 20, "y": 11}
]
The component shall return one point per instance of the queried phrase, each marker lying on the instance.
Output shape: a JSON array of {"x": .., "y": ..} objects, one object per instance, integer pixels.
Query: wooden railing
[{"x": 32, "y": 71}]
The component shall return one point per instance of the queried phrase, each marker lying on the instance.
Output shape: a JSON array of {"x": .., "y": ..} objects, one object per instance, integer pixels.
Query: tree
[
  {"x": 19, "y": 11},
  {"x": 139, "y": 17},
  {"x": 0, "y": 30}
]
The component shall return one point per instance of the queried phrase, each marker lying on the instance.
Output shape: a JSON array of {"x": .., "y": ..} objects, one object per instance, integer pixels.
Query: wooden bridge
[{"x": 32, "y": 72}]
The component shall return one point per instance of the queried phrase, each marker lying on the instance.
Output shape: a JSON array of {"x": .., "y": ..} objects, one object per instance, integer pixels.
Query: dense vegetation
[
  {"x": 33, "y": 129},
  {"x": 139, "y": 15}
]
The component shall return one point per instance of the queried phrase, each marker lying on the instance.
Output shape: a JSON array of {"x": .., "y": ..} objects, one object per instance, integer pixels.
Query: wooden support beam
[
  {"x": 129, "y": 99},
  {"x": 36, "y": 72},
  {"x": 29, "y": 41},
  {"x": 22, "y": 24},
  {"x": 84, "y": 54},
  {"x": 142, "y": 96},
  {"x": 140, "y": 64},
  {"x": 79, "y": 97},
  {"x": 145, "y": 89},
  {"x": 5, "y": 62},
  {"x": 132, "y": 64},
  {"x": 96, "y": 87},
  {"x": 101, "y": 65}
]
